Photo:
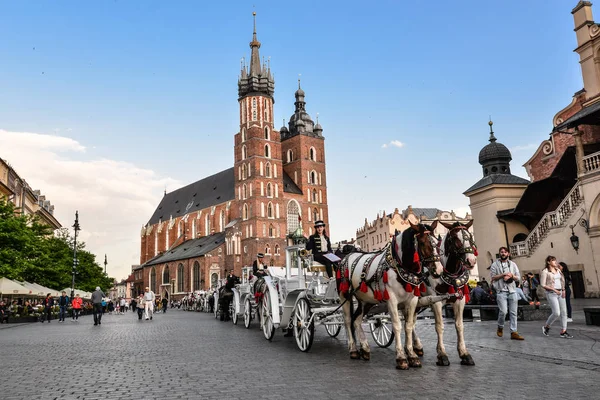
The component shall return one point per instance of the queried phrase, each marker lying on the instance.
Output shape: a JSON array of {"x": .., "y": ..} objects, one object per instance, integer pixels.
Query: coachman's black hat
[
  {"x": 260, "y": 255},
  {"x": 319, "y": 223}
]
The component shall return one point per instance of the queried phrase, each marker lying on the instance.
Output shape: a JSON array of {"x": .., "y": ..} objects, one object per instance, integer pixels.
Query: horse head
[
  {"x": 416, "y": 247},
  {"x": 458, "y": 248}
]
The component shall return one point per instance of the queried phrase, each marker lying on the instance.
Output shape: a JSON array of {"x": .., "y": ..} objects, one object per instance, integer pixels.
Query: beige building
[
  {"x": 377, "y": 234},
  {"x": 557, "y": 212},
  {"x": 26, "y": 200}
]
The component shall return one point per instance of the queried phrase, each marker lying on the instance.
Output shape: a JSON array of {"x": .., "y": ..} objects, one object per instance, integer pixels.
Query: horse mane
[{"x": 407, "y": 247}]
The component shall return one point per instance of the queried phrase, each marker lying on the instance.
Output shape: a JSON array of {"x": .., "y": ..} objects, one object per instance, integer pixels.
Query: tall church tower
[
  {"x": 303, "y": 152},
  {"x": 257, "y": 164}
]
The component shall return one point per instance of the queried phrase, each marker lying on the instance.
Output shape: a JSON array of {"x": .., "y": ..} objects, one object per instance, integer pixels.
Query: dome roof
[
  {"x": 283, "y": 129},
  {"x": 299, "y": 92},
  {"x": 494, "y": 152},
  {"x": 318, "y": 127}
]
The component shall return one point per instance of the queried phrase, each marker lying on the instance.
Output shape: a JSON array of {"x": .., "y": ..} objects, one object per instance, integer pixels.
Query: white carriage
[{"x": 297, "y": 297}]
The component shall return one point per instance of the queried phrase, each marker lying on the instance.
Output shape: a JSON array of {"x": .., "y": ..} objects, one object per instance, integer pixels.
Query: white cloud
[
  {"x": 114, "y": 198},
  {"x": 393, "y": 143},
  {"x": 526, "y": 147}
]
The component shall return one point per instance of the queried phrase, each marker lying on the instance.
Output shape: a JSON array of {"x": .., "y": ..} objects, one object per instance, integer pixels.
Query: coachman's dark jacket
[
  {"x": 314, "y": 244},
  {"x": 258, "y": 272}
]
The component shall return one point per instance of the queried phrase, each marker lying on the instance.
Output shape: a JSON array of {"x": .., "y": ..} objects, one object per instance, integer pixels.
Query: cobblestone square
[{"x": 187, "y": 355}]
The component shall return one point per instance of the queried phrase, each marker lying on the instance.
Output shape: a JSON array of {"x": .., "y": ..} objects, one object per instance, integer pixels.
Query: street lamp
[
  {"x": 574, "y": 241},
  {"x": 75, "y": 261}
]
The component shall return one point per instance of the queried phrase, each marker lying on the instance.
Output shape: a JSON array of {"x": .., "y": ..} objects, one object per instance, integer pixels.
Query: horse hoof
[
  {"x": 442, "y": 361},
  {"x": 419, "y": 352},
  {"x": 467, "y": 360},
  {"x": 365, "y": 355},
  {"x": 414, "y": 362},
  {"x": 402, "y": 364},
  {"x": 354, "y": 355}
]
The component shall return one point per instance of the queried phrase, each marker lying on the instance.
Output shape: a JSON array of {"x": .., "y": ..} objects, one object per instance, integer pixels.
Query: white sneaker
[{"x": 569, "y": 319}]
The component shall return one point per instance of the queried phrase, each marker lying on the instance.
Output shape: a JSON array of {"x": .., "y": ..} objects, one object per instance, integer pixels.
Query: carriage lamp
[{"x": 574, "y": 241}]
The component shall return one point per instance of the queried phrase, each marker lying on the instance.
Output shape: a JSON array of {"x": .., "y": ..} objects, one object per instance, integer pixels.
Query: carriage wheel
[
  {"x": 381, "y": 332},
  {"x": 234, "y": 316},
  {"x": 333, "y": 330},
  {"x": 266, "y": 315},
  {"x": 304, "y": 327},
  {"x": 247, "y": 313}
]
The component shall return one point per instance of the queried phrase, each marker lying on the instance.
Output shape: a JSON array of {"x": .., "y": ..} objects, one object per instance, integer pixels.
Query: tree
[{"x": 29, "y": 251}]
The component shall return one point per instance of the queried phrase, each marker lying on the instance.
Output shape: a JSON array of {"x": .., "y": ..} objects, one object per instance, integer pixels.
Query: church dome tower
[{"x": 495, "y": 157}]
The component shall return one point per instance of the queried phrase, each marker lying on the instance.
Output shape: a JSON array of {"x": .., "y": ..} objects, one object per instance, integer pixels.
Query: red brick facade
[{"x": 264, "y": 209}]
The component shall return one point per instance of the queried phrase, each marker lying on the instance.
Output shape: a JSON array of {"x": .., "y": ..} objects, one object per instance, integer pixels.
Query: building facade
[
  {"x": 557, "y": 212},
  {"x": 26, "y": 200},
  {"x": 277, "y": 184}
]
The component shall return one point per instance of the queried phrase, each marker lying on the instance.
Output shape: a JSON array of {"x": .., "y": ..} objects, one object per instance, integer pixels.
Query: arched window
[
  {"x": 267, "y": 151},
  {"x": 276, "y": 249},
  {"x": 245, "y": 212},
  {"x": 244, "y": 192},
  {"x": 314, "y": 196},
  {"x": 271, "y": 230},
  {"x": 267, "y": 133},
  {"x": 267, "y": 249},
  {"x": 268, "y": 170},
  {"x": 153, "y": 279},
  {"x": 244, "y": 152},
  {"x": 269, "y": 190},
  {"x": 254, "y": 108},
  {"x": 244, "y": 171},
  {"x": 315, "y": 214},
  {"x": 165, "y": 280},
  {"x": 290, "y": 155},
  {"x": 312, "y": 154},
  {"x": 293, "y": 216},
  {"x": 197, "y": 278},
  {"x": 180, "y": 278},
  {"x": 269, "y": 210},
  {"x": 313, "y": 177},
  {"x": 243, "y": 134},
  {"x": 249, "y": 169},
  {"x": 222, "y": 221},
  {"x": 207, "y": 225}
]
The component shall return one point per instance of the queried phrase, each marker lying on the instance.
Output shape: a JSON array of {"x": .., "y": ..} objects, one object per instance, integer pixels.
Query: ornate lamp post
[{"x": 75, "y": 261}]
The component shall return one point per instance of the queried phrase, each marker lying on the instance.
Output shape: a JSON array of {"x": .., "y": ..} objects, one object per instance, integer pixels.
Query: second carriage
[{"x": 294, "y": 298}]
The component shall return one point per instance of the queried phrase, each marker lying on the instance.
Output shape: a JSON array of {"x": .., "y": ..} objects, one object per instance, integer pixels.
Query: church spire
[
  {"x": 258, "y": 80},
  {"x": 255, "y": 68}
]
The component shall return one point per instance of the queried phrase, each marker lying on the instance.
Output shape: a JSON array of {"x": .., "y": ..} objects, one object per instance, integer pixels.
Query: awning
[
  {"x": 588, "y": 116},
  {"x": 12, "y": 288}
]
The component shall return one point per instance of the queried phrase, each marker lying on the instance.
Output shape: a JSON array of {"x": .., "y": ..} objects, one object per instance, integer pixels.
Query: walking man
[
  {"x": 63, "y": 302},
  {"x": 164, "y": 305},
  {"x": 97, "y": 297},
  {"x": 149, "y": 299},
  {"x": 504, "y": 273}
]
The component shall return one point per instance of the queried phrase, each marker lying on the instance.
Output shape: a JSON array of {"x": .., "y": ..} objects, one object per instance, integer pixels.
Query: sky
[{"x": 103, "y": 105}]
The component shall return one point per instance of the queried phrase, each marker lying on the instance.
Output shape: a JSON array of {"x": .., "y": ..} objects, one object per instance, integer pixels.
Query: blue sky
[{"x": 154, "y": 84}]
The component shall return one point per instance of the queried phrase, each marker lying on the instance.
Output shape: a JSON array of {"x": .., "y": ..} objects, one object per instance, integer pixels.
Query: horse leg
[
  {"x": 442, "y": 357},
  {"x": 365, "y": 350},
  {"x": 417, "y": 345},
  {"x": 409, "y": 328},
  {"x": 348, "y": 325},
  {"x": 465, "y": 357},
  {"x": 392, "y": 304}
]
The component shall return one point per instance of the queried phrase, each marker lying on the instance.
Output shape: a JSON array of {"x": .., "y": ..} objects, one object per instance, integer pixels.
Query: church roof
[
  {"x": 497, "y": 179},
  {"x": 289, "y": 186},
  {"x": 207, "y": 192},
  {"x": 189, "y": 249}
]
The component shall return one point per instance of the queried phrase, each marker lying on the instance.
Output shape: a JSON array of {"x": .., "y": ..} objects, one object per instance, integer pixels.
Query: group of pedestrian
[{"x": 505, "y": 277}]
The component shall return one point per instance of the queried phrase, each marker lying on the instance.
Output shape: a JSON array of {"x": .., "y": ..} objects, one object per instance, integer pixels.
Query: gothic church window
[
  {"x": 243, "y": 134},
  {"x": 268, "y": 170},
  {"x": 269, "y": 210},
  {"x": 245, "y": 212},
  {"x": 207, "y": 225},
  {"x": 222, "y": 221},
  {"x": 244, "y": 192},
  {"x": 315, "y": 214},
  {"x": 312, "y": 154},
  {"x": 271, "y": 231},
  {"x": 244, "y": 171},
  {"x": 153, "y": 279},
  {"x": 244, "y": 152},
  {"x": 180, "y": 278},
  {"x": 290, "y": 155},
  {"x": 267, "y": 134},
  {"x": 254, "y": 108},
  {"x": 196, "y": 272},
  {"x": 267, "y": 151},
  {"x": 165, "y": 279},
  {"x": 269, "y": 190},
  {"x": 293, "y": 216},
  {"x": 314, "y": 196}
]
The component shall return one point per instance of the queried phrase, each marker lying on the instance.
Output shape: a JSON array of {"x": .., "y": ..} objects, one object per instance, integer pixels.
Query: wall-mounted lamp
[{"x": 574, "y": 238}]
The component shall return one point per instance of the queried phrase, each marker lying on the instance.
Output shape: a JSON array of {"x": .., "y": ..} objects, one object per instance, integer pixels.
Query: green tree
[{"x": 29, "y": 251}]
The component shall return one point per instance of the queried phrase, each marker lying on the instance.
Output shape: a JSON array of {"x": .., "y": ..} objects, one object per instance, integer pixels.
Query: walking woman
[{"x": 553, "y": 281}]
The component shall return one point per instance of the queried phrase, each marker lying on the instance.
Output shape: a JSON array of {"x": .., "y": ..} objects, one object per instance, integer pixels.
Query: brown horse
[
  {"x": 391, "y": 275},
  {"x": 459, "y": 256}
]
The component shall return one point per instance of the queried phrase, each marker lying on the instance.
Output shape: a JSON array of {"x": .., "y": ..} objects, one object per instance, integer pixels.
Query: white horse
[
  {"x": 459, "y": 256},
  {"x": 391, "y": 275}
]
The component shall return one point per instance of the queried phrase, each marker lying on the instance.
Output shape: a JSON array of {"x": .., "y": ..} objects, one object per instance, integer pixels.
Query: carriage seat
[{"x": 317, "y": 267}]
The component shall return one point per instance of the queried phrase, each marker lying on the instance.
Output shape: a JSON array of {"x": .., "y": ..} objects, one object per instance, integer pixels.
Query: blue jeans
[
  {"x": 62, "y": 313},
  {"x": 507, "y": 302}
]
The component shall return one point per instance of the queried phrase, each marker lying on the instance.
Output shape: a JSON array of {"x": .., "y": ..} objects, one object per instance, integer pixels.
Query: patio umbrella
[{"x": 12, "y": 288}]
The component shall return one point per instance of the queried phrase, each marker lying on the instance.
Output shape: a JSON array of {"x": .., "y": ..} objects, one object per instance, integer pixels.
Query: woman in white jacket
[{"x": 553, "y": 281}]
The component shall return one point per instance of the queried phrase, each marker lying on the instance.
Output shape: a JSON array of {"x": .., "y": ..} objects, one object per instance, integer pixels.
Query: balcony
[{"x": 591, "y": 163}]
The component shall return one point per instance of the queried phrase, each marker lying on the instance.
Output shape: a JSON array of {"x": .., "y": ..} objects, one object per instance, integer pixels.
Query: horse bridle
[
  {"x": 462, "y": 251},
  {"x": 425, "y": 261}
]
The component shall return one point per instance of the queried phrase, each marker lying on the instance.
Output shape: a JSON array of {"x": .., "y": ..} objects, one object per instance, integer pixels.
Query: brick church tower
[{"x": 257, "y": 159}]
